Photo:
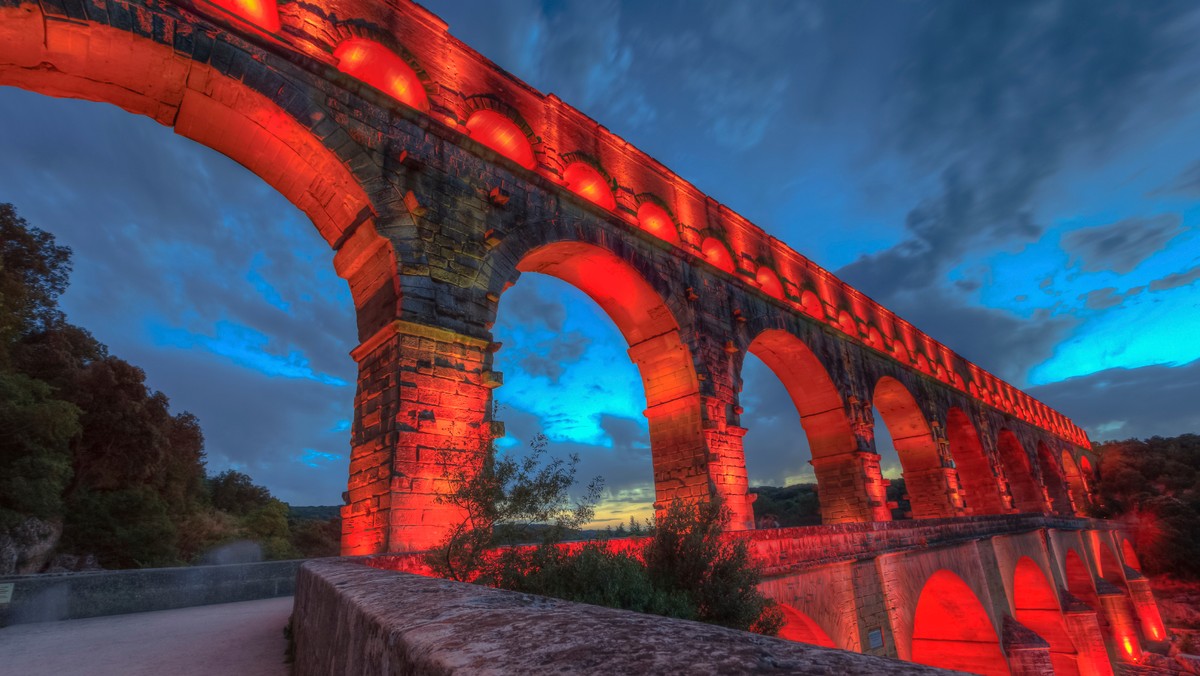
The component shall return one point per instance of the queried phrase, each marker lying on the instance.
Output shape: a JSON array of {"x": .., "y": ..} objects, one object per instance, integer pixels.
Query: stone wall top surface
[{"x": 354, "y": 619}]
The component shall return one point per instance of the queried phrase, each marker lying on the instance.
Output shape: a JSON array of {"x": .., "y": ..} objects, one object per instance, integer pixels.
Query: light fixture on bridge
[
  {"x": 498, "y": 132},
  {"x": 383, "y": 69},
  {"x": 260, "y": 13},
  {"x": 586, "y": 181}
]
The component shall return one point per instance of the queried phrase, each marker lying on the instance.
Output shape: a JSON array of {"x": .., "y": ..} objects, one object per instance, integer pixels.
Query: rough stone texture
[
  {"x": 430, "y": 227},
  {"x": 352, "y": 619},
  {"x": 65, "y": 596},
  {"x": 26, "y": 547}
]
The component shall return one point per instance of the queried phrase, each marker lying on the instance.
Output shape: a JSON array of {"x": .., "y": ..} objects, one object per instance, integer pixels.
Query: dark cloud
[
  {"x": 1121, "y": 246},
  {"x": 551, "y": 357},
  {"x": 526, "y": 305},
  {"x": 625, "y": 467},
  {"x": 1187, "y": 183},
  {"x": 775, "y": 445},
  {"x": 1176, "y": 279},
  {"x": 1108, "y": 297},
  {"x": 995, "y": 97},
  {"x": 1003, "y": 343},
  {"x": 1125, "y": 403}
]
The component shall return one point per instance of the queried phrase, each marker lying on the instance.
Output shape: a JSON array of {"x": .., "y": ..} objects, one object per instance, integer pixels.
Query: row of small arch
[
  {"x": 498, "y": 127},
  {"x": 949, "y": 614}
]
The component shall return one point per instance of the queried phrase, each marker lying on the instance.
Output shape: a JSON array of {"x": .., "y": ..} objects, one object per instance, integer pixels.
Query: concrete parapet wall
[
  {"x": 69, "y": 596},
  {"x": 354, "y": 619}
]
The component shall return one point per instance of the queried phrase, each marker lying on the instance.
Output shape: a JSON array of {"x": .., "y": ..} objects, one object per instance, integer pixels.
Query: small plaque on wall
[
  {"x": 6, "y": 591},
  {"x": 874, "y": 638}
]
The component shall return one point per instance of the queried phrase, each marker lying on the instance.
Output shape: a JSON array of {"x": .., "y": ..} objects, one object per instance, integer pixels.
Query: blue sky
[{"x": 1019, "y": 179}]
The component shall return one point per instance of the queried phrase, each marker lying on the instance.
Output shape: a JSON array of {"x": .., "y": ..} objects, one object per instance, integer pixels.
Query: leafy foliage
[
  {"x": 686, "y": 570},
  {"x": 33, "y": 273},
  {"x": 591, "y": 574},
  {"x": 688, "y": 555},
  {"x": 35, "y": 453},
  {"x": 1155, "y": 485},
  {"x": 509, "y": 500},
  {"x": 124, "y": 528},
  {"x": 794, "y": 505}
]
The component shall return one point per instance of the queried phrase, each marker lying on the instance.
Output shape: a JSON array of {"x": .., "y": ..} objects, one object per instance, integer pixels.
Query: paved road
[{"x": 227, "y": 639}]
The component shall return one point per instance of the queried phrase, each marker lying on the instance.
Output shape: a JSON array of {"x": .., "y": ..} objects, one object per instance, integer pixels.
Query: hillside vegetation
[
  {"x": 94, "y": 465},
  {"x": 1154, "y": 485}
]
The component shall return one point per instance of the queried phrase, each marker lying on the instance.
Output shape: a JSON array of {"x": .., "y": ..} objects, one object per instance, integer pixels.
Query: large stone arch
[
  {"x": 981, "y": 491},
  {"x": 202, "y": 103},
  {"x": 682, "y": 466},
  {"x": 930, "y": 480},
  {"x": 803, "y": 629},
  {"x": 1027, "y": 496},
  {"x": 1036, "y": 606},
  {"x": 841, "y": 479},
  {"x": 210, "y": 106},
  {"x": 952, "y": 629}
]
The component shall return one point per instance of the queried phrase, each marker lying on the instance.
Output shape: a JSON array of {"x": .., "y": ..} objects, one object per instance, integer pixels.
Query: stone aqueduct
[{"x": 437, "y": 179}]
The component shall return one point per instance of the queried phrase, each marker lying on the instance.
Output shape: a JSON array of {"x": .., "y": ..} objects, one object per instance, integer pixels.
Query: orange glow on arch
[
  {"x": 802, "y": 628},
  {"x": 769, "y": 282},
  {"x": 951, "y": 628},
  {"x": 586, "y": 181},
  {"x": 261, "y": 13},
  {"x": 655, "y": 220},
  {"x": 1127, "y": 644},
  {"x": 383, "y": 69},
  {"x": 846, "y": 323},
  {"x": 812, "y": 305},
  {"x": 501, "y": 134},
  {"x": 717, "y": 254}
]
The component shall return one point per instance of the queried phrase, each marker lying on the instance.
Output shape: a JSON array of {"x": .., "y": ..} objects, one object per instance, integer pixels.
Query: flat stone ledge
[{"x": 353, "y": 619}]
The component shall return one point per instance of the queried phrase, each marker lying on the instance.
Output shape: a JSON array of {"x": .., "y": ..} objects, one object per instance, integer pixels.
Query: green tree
[
  {"x": 35, "y": 452},
  {"x": 33, "y": 273},
  {"x": 234, "y": 492},
  {"x": 689, "y": 554},
  {"x": 124, "y": 528},
  {"x": 509, "y": 500},
  {"x": 1154, "y": 485}
]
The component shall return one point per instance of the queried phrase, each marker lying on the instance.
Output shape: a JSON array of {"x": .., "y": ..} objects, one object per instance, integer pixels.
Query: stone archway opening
[
  {"x": 1056, "y": 485},
  {"x": 566, "y": 375},
  {"x": 980, "y": 488},
  {"x": 843, "y": 475},
  {"x": 778, "y": 458},
  {"x": 1130, "y": 555},
  {"x": 803, "y": 629},
  {"x": 1035, "y": 605},
  {"x": 682, "y": 467},
  {"x": 108, "y": 65},
  {"x": 1027, "y": 496},
  {"x": 1075, "y": 481},
  {"x": 1111, "y": 569},
  {"x": 1079, "y": 580},
  {"x": 929, "y": 476},
  {"x": 952, "y": 630}
]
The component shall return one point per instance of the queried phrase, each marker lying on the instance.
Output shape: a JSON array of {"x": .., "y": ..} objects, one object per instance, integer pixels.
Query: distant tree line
[
  {"x": 85, "y": 443},
  {"x": 1154, "y": 485}
]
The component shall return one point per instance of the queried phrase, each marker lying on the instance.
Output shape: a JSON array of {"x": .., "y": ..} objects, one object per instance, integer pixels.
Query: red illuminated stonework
[{"x": 438, "y": 180}]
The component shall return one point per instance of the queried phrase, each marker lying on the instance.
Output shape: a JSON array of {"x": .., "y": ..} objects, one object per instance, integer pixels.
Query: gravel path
[{"x": 227, "y": 639}]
